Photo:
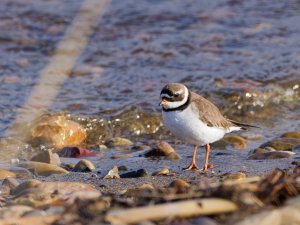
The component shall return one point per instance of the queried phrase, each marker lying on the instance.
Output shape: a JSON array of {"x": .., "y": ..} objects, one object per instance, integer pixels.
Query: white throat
[{"x": 173, "y": 105}]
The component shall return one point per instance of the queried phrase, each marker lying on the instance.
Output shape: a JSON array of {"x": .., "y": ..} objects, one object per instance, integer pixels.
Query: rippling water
[{"x": 242, "y": 55}]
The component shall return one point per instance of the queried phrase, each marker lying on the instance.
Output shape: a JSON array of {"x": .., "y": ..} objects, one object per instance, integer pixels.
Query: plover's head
[{"x": 173, "y": 96}]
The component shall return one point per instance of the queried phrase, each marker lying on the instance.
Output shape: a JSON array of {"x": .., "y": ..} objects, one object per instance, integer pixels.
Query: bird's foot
[
  {"x": 208, "y": 166},
  {"x": 193, "y": 166}
]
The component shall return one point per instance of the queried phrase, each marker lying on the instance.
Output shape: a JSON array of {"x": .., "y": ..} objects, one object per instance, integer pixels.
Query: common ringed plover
[{"x": 194, "y": 119}]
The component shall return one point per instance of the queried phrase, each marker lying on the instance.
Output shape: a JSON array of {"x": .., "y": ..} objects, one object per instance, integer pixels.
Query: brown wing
[{"x": 209, "y": 113}]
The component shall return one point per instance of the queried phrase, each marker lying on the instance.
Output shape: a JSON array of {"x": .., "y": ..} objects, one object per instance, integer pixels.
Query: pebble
[
  {"x": 5, "y": 173},
  {"x": 117, "y": 142},
  {"x": 47, "y": 157},
  {"x": 113, "y": 173},
  {"x": 162, "y": 148},
  {"x": 42, "y": 169},
  {"x": 258, "y": 150},
  {"x": 179, "y": 185},
  {"x": 278, "y": 145},
  {"x": 294, "y": 134},
  {"x": 270, "y": 155},
  {"x": 14, "y": 211},
  {"x": 234, "y": 176},
  {"x": 164, "y": 171},
  {"x": 102, "y": 147},
  {"x": 134, "y": 174},
  {"x": 237, "y": 142},
  {"x": 84, "y": 165},
  {"x": 56, "y": 130}
]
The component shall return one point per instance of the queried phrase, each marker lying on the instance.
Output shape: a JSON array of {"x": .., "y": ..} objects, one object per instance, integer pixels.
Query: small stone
[
  {"x": 258, "y": 150},
  {"x": 56, "y": 130},
  {"x": 278, "y": 145},
  {"x": 164, "y": 171},
  {"x": 47, "y": 157},
  {"x": 102, "y": 147},
  {"x": 294, "y": 134},
  {"x": 180, "y": 185},
  {"x": 173, "y": 156},
  {"x": 84, "y": 166},
  {"x": 113, "y": 173},
  {"x": 43, "y": 169},
  {"x": 5, "y": 173},
  {"x": 118, "y": 141},
  {"x": 270, "y": 155},
  {"x": 234, "y": 176},
  {"x": 237, "y": 142},
  {"x": 134, "y": 174},
  {"x": 14, "y": 211},
  {"x": 162, "y": 148}
]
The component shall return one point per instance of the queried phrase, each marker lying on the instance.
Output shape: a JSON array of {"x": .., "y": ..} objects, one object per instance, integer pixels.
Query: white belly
[{"x": 187, "y": 127}]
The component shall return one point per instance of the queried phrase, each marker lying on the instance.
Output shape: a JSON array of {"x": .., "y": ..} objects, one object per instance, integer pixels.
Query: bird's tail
[{"x": 243, "y": 126}]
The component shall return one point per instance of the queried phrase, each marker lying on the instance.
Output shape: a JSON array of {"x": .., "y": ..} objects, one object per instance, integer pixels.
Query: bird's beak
[{"x": 163, "y": 102}]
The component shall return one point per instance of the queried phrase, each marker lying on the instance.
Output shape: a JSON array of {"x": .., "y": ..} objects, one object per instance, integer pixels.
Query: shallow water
[{"x": 242, "y": 55}]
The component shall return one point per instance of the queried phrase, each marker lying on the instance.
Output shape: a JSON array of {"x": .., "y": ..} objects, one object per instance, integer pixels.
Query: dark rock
[
  {"x": 134, "y": 174},
  {"x": 122, "y": 168}
]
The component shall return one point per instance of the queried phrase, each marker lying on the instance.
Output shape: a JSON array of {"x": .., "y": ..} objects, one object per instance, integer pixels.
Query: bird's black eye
[{"x": 176, "y": 95}]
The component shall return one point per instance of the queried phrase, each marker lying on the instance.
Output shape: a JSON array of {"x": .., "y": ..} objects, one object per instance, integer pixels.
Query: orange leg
[
  {"x": 206, "y": 165},
  {"x": 193, "y": 165}
]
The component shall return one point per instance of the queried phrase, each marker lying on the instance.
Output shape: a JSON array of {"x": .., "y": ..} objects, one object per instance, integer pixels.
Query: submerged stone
[
  {"x": 117, "y": 142},
  {"x": 278, "y": 145},
  {"x": 270, "y": 155},
  {"x": 294, "y": 134}
]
